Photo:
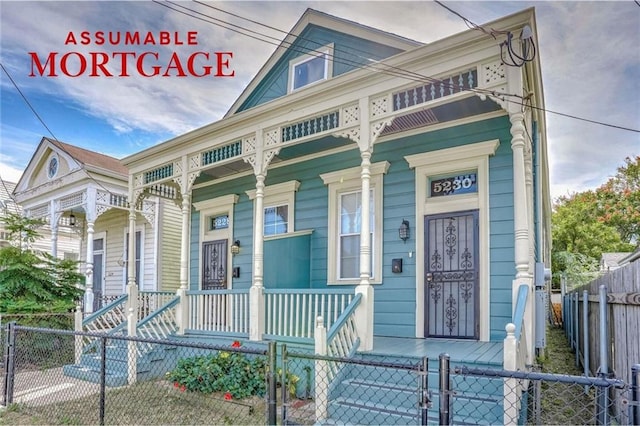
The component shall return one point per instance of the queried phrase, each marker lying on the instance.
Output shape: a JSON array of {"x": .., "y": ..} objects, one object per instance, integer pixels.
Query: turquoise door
[{"x": 451, "y": 275}]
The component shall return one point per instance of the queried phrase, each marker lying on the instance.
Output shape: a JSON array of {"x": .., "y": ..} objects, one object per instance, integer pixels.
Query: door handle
[{"x": 429, "y": 276}]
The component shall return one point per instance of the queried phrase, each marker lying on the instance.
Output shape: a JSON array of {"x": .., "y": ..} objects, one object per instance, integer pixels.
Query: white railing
[
  {"x": 158, "y": 326},
  {"x": 341, "y": 341},
  {"x": 292, "y": 313},
  {"x": 150, "y": 301},
  {"x": 219, "y": 311},
  {"x": 515, "y": 356}
]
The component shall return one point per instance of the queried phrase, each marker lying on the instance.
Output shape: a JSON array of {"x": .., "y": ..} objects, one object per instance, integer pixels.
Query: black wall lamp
[
  {"x": 404, "y": 232},
  {"x": 72, "y": 220},
  {"x": 235, "y": 248}
]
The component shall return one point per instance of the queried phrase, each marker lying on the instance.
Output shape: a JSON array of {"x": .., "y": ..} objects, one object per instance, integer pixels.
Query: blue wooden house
[{"x": 388, "y": 194}]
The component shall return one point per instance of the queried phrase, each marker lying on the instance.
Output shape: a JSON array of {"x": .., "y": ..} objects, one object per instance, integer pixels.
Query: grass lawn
[{"x": 150, "y": 403}]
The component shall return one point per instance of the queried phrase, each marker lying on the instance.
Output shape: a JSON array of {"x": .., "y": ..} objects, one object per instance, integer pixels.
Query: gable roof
[
  {"x": 324, "y": 20},
  {"x": 6, "y": 197},
  {"x": 91, "y": 158},
  {"x": 87, "y": 160}
]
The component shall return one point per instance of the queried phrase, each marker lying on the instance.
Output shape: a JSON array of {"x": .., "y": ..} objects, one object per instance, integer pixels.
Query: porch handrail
[
  {"x": 100, "y": 313},
  {"x": 219, "y": 311},
  {"x": 292, "y": 313},
  {"x": 159, "y": 325},
  {"x": 342, "y": 337},
  {"x": 515, "y": 355}
]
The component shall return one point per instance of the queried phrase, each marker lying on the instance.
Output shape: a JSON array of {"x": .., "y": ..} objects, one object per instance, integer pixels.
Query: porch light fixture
[
  {"x": 72, "y": 220},
  {"x": 404, "y": 232},
  {"x": 235, "y": 248}
]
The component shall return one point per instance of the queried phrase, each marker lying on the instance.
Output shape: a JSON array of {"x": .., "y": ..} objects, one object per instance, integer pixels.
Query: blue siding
[
  {"x": 395, "y": 302},
  {"x": 349, "y": 53}
]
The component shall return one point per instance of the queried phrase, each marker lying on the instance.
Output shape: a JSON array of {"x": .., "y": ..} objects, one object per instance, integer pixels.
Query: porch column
[
  {"x": 183, "y": 310},
  {"x": 521, "y": 224},
  {"x": 364, "y": 316},
  {"x": 88, "y": 271},
  {"x": 132, "y": 287},
  {"x": 256, "y": 293},
  {"x": 364, "y": 312},
  {"x": 520, "y": 218},
  {"x": 53, "y": 220}
]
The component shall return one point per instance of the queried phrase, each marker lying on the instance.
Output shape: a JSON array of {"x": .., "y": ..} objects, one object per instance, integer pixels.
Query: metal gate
[{"x": 214, "y": 265}]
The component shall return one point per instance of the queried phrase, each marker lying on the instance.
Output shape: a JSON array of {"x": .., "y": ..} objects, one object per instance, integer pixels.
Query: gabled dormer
[{"x": 318, "y": 48}]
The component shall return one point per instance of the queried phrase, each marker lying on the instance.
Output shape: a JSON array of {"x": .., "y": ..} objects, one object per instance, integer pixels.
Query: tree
[
  {"x": 589, "y": 223},
  {"x": 619, "y": 201},
  {"x": 31, "y": 281}
]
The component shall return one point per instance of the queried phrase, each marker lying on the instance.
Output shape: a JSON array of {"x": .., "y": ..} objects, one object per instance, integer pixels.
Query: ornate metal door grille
[
  {"x": 451, "y": 275},
  {"x": 214, "y": 265}
]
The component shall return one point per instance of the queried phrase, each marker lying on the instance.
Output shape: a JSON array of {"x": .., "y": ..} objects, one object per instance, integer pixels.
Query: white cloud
[{"x": 588, "y": 53}]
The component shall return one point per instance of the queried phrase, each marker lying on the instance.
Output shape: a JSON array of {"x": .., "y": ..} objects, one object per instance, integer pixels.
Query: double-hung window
[
  {"x": 278, "y": 207},
  {"x": 345, "y": 223}
]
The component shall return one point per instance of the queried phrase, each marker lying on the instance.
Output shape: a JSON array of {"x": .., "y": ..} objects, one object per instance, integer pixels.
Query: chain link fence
[{"x": 64, "y": 377}]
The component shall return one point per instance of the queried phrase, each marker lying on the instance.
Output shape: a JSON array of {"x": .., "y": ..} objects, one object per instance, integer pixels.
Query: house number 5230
[{"x": 451, "y": 185}]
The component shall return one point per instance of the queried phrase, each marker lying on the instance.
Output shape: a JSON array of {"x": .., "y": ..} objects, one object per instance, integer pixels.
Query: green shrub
[{"x": 230, "y": 372}]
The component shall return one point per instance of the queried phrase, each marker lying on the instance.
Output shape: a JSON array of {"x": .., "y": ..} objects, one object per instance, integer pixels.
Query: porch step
[{"x": 154, "y": 364}]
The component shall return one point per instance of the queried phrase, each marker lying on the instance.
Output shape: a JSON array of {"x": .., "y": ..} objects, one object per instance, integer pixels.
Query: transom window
[{"x": 310, "y": 68}]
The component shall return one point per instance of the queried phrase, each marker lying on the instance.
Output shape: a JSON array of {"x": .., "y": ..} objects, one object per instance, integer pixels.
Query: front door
[
  {"x": 451, "y": 275},
  {"x": 214, "y": 265}
]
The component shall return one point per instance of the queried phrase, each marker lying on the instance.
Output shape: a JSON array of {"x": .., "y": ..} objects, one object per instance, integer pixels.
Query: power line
[
  {"x": 59, "y": 144},
  {"x": 402, "y": 72}
]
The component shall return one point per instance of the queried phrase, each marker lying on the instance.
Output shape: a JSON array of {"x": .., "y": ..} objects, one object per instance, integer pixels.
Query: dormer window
[{"x": 310, "y": 68}]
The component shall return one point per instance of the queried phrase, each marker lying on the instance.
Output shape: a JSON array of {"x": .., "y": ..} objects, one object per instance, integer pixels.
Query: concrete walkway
[{"x": 42, "y": 387}]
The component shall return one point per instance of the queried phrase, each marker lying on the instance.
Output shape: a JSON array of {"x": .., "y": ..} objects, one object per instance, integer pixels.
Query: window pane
[
  {"x": 309, "y": 71},
  {"x": 349, "y": 234},
  {"x": 350, "y": 256},
  {"x": 276, "y": 220}
]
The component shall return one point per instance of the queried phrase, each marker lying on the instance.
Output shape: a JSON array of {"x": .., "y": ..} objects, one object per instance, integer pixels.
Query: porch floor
[{"x": 467, "y": 351}]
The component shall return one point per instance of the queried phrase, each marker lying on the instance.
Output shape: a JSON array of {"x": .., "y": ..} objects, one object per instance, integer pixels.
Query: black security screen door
[
  {"x": 214, "y": 265},
  {"x": 451, "y": 275}
]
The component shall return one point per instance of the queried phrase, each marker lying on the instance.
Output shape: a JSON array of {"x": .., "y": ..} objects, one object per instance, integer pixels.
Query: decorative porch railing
[
  {"x": 161, "y": 324},
  {"x": 341, "y": 341},
  {"x": 219, "y": 311},
  {"x": 151, "y": 301},
  {"x": 515, "y": 356},
  {"x": 111, "y": 317},
  {"x": 293, "y": 313}
]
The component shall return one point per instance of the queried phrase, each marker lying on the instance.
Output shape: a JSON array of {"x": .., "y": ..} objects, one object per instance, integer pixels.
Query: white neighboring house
[
  {"x": 82, "y": 195},
  {"x": 68, "y": 246}
]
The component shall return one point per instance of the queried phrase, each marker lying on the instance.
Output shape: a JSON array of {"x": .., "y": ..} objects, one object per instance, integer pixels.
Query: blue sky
[{"x": 589, "y": 54}]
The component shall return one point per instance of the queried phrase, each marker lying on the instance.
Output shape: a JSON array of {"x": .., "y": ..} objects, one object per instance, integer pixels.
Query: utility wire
[
  {"x": 401, "y": 72},
  {"x": 59, "y": 144},
  {"x": 388, "y": 69}
]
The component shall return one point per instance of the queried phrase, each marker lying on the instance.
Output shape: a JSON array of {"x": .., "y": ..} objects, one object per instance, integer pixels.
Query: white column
[
  {"x": 132, "y": 287},
  {"x": 88, "y": 295},
  {"x": 183, "y": 309},
  {"x": 256, "y": 293},
  {"x": 53, "y": 221},
  {"x": 520, "y": 218},
  {"x": 521, "y": 225},
  {"x": 364, "y": 312}
]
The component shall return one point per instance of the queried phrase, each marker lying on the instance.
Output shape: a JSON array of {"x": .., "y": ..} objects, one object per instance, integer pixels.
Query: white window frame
[
  {"x": 453, "y": 160},
  {"x": 326, "y": 51},
  {"x": 344, "y": 181},
  {"x": 208, "y": 209},
  {"x": 278, "y": 195}
]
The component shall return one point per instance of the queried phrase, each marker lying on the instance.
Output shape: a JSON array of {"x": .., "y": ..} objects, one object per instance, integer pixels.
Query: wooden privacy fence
[{"x": 621, "y": 325}]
